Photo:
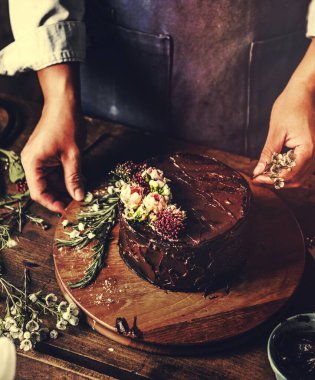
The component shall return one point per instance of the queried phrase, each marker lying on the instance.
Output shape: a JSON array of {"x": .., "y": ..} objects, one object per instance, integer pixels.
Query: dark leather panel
[{"x": 211, "y": 42}]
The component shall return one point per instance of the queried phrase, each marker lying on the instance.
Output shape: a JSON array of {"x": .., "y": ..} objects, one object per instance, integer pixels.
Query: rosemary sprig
[{"x": 94, "y": 223}]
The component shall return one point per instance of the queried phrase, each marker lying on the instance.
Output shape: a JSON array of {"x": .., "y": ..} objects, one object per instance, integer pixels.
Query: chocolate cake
[{"x": 213, "y": 247}]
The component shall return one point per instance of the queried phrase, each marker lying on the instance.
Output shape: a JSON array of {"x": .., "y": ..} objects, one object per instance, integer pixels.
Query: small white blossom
[
  {"x": 27, "y": 335},
  {"x": 63, "y": 306},
  {"x": 32, "y": 325},
  {"x": 88, "y": 197},
  {"x": 154, "y": 202},
  {"x": 95, "y": 207},
  {"x": 110, "y": 189},
  {"x": 131, "y": 196},
  {"x": 33, "y": 297},
  {"x": 61, "y": 324},
  {"x": 73, "y": 309},
  {"x": 74, "y": 234},
  {"x": 65, "y": 222},
  {"x": 54, "y": 334},
  {"x": 26, "y": 345},
  {"x": 67, "y": 315},
  {"x": 11, "y": 243},
  {"x": 15, "y": 332},
  {"x": 8, "y": 322},
  {"x": 81, "y": 226},
  {"x": 91, "y": 235},
  {"x": 50, "y": 299},
  {"x": 74, "y": 321}
]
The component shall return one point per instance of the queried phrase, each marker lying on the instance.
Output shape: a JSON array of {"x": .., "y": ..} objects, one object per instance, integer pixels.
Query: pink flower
[
  {"x": 154, "y": 202},
  {"x": 131, "y": 196}
]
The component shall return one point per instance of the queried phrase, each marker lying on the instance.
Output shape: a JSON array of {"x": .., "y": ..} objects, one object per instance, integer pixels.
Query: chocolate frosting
[{"x": 212, "y": 248}]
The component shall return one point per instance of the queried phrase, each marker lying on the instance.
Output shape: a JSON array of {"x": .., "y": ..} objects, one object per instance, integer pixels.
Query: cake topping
[{"x": 146, "y": 197}]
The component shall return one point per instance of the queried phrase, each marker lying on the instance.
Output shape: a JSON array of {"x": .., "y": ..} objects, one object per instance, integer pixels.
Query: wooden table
[{"x": 83, "y": 353}]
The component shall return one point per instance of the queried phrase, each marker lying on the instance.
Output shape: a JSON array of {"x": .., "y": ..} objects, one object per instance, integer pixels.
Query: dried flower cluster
[
  {"x": 278, "y": 163},
  {"x": 169, "y": 223},
  {"x": 145, "y": 196},
  {"x": 24, "y": 313}
]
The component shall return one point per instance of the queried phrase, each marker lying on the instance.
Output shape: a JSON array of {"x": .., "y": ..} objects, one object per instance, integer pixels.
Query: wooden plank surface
[{"x": 89, "y": 350}]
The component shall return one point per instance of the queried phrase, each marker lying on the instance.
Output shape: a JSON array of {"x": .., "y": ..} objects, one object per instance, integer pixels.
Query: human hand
[
  {"x": 51, "y": 157},
  {"x": 292, "y": 125}
]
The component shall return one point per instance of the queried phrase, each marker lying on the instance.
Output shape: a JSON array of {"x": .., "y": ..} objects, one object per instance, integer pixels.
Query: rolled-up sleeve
[
  {"x": 310, "y": 32},
  {"x": 45, "y": 32}
]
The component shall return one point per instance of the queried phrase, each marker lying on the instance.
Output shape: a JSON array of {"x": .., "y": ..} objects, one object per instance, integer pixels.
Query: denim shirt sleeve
[
  {"x": 45, "y": 33},
  {"x": 310, "y": 32}
]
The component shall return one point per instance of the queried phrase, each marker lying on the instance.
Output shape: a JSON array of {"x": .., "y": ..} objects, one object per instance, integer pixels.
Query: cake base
[{"x": 176, "y": 322}]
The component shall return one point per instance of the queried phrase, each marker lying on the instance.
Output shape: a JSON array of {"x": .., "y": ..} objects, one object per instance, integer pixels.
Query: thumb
[
  {"x": 273, "y": 144},
  {"x": 72, "y": 173}
]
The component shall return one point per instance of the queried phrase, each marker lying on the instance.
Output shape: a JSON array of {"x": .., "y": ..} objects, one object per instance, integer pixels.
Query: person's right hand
[{"x": 51, "y": 157}]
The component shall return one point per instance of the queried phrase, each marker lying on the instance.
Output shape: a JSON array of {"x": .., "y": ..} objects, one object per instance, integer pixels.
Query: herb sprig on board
[{"x": 96, "y": 219}]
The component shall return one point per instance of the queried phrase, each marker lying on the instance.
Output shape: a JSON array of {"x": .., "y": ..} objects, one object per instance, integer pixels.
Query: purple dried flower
[{"x": 169, "y": 223}]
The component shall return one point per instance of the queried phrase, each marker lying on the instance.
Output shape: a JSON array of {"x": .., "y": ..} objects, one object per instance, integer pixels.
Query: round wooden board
[{"x": 173, "y": 320}]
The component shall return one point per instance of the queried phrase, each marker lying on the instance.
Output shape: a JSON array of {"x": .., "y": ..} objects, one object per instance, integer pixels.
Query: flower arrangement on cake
[{"x": 142, "y": 194}]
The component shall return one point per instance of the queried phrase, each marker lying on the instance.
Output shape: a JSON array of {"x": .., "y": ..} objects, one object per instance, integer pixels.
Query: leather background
[{"x": 202, "y": 89}]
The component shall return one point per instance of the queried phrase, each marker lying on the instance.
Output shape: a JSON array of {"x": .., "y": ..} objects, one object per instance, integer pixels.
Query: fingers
[
  {"x": 303, "y": 168},
  {"x": 36, "y": 180},
  {"x": 297, "y": 175},
  {"x": 72, "y": 172},
  {"x": 274, "y": 143}
]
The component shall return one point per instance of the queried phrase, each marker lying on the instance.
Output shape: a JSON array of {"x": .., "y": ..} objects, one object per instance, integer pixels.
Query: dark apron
[{"x": 206, "y": 71}]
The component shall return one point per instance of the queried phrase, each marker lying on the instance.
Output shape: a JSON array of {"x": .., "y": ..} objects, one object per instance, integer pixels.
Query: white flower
[
  {"x": 63, "y": 306},
  {"x": 74, "y": 321},
  {"x": 26, "y": 345},
  {"x": 166, "y": 191},
  {"x": 65, "y": 222},
  {"x": 61, "y": 324},
  {"x": 11, "y": 243},
  {"x": 278, "y": 183},
  {"x": 8, "y": 322},
  {"x": 91, "y": 235},
  {"x": 88, "y": 197},
  {"x": 27, "y": 335},
  {"x": 74, "y": 234},
  {"x": 154, "y": 202},
  {"x": 32, "y": 325},
  {"x": 13, "y": 310},
  {"x": 95, "y": 207},
  {"x": 67, "y": 315},
  {"x": 110, "y": 190},
  {"x": 33, "y": 297},
  {"x": 81, "y": 226},
  {"x": 15, "y": 332},
  {"x": 131, "y": 196},
  {"x": 54, "y": 334},
  {"x": 50, "y": 299},
  {"x": 73, "y": 309},
  {"x": 154, "y": 174}
]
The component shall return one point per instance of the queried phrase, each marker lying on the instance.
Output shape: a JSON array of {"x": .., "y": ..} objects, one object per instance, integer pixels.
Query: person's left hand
[{"x": 292, "y": 125}]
